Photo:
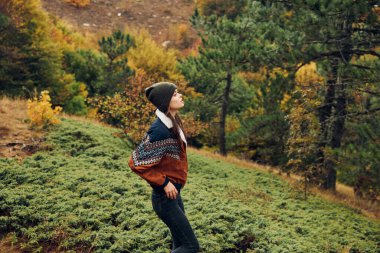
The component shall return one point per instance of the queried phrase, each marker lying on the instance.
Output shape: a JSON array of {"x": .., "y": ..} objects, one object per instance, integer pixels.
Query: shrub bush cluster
[
  {"x": 40, "y": 111},
  {"x": 81, "y": 196}
]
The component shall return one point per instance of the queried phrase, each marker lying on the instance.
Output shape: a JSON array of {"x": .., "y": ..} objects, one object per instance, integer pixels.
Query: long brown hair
[{"x": 177, "y": 123}]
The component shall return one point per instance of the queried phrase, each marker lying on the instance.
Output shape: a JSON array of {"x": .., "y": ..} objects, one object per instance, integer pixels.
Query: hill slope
[
  {"x": 103, "y": 16},
  {"x": 82, "y": 196}
]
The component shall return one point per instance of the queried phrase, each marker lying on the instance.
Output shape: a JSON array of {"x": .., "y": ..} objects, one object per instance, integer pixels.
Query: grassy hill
[{"x": 81, "y": 196}]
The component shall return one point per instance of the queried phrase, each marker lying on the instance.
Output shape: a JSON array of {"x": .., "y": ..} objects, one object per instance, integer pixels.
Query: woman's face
[{"x": 176, "y": 102}]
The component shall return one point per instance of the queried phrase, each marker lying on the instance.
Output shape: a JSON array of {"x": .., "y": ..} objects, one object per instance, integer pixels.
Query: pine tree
[
  {"x": 229, "y": 47},
  {"x": 341, "y": 37},
  {"x": 115, "y": 47},
  {"x": 29, "y": 58}
]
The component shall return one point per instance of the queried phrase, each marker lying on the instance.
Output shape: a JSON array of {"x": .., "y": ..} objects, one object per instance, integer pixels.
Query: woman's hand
[{"x": 171, "y": 191}]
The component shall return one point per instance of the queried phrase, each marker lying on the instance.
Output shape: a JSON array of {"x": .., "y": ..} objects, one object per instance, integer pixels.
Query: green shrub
[{"x": 78, "y": 198}]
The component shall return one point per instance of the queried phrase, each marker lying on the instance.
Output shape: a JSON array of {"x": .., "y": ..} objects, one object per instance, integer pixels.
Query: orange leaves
[
  {"x": 192, "y": 126},
  {"x": 78, "y": 3},
  {"x": 131, "y": 111}
]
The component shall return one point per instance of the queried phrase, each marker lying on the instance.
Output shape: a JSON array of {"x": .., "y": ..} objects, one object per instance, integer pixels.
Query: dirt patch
[
  {"x": 16, "y": 138},
  {"x": 4, "y": 131},
  {"x": 101, "y": 17}
]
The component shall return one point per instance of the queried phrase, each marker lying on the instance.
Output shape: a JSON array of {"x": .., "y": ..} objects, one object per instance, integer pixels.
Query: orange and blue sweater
[{"x": 160, "y": 157}]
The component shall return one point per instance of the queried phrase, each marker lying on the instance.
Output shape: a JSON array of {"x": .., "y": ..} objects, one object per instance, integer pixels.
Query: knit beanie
[{"x": 160, "y": 95}]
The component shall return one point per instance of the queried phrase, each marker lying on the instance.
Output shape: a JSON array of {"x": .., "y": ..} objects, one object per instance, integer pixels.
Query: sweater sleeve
[{"x": 146, "y": 157}]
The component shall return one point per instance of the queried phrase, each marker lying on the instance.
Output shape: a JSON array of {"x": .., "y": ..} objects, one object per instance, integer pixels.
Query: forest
[{"x": 290, "y": 84}]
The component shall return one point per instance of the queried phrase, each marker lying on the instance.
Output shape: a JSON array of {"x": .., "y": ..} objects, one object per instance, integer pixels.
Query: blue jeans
[{"x": 172, "y": 213}]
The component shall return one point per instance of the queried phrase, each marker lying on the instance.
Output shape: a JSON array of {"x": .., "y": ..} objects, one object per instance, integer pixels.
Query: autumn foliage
[
  {"x": 40, "y": 111},
  {"x": 131, "y": 111},
  {"x": 78, "y": 3}
]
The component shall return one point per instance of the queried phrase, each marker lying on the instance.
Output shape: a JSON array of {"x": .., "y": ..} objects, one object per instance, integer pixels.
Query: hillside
[
  {"x": 16, "y": 139},
  {"x": 80, "y": 195},
  {"x": 101, "y": 17}
]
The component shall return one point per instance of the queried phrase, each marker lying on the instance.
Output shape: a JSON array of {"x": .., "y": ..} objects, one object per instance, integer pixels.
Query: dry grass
[
  {"x": 344, "y": 194},
  {"x": 16, "y": 139},
  {"x": 12, "y": 107},
  {"x": 7, "y": 244},
  {"x": 86, "y": 119}
]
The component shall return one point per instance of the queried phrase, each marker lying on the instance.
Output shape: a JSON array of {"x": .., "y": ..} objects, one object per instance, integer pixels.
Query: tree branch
[
  {"x": 362, "y": 113},
  {"x": 375, "y": 31},
  {"x": 361, "y": 67},
  {"x": 370, "y": 92},
  {"x": 361, "y": 52}
]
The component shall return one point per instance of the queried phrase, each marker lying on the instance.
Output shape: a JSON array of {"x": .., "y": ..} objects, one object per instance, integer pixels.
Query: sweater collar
[
  {"x": 165, "y": 119},
  {"x": 169, "y": 124}
]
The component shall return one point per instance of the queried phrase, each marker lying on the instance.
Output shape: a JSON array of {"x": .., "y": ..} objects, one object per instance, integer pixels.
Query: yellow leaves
[
  {"x": 259, "y": 93},
  {"x": 155, "y": 60},
  {"x": 308, "y": 75},
  {"x": 284, "y": 102},
  {"x": 40, "y": 111},
  {"x": 309, "y": 82},
  {"x": 365, "y": 58},
  {"x": 251, "y": 112},
  {"x": 288, "y": 14},
  {"x": 259, "y": 76},
  {"x": 278, "y": 71},
  {"x": 263, "y": 74},
  {"x": 93, "y": 113},
  {"x": 232, "y": 124},
  {"x": 151, "y": 60},
  {"x": 83, "y": 90}
]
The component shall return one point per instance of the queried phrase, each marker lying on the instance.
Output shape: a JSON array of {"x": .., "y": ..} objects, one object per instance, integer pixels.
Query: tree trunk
[
  {"x": 327, "y": 178},
  {"x": 223, "y": 115},
  {"x": 326, "y": 110},
  {"x": 337, "y": 128}
]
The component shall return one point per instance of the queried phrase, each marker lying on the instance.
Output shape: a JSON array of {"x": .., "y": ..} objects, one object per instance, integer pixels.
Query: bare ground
[
  {"x": 16, "y": 138},
  {"x": 101, "y": 17}
]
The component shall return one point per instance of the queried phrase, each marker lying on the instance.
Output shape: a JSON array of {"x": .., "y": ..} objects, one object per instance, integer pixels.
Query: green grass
[{"x": 82, "y": 196}]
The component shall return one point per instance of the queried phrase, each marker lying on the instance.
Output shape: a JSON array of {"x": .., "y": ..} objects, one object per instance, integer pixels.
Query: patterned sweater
[{"x": 160, "y": 158}]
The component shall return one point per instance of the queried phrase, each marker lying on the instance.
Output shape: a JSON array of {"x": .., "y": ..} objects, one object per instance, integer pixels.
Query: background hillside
[
  {"x": 81, "y": 196},
  {"x": 101, "y": 17}
]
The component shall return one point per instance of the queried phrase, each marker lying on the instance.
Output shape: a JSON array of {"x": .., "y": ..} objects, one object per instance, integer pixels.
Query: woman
[{"x": 161, "y": 160}]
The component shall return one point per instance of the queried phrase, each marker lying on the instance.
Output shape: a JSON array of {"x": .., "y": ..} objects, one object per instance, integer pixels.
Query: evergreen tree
[
  {"x": 341, "y": 37},
  {"x": 89, "y": 67},
  {"x": 115, "y": 47},
  {"x": 29, "y": 58},
  {"x": 229, "y": 47}
]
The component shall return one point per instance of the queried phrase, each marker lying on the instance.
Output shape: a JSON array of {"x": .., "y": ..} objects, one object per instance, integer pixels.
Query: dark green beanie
[{"x": 160, "y": 95}]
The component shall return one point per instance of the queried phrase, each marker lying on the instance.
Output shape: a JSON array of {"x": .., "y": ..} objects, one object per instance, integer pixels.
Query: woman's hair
[{"x": 177, "y": 123}]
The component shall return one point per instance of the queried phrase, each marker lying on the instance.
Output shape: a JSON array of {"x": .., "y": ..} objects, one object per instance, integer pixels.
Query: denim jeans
[{"x": 172, "y": 213}]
